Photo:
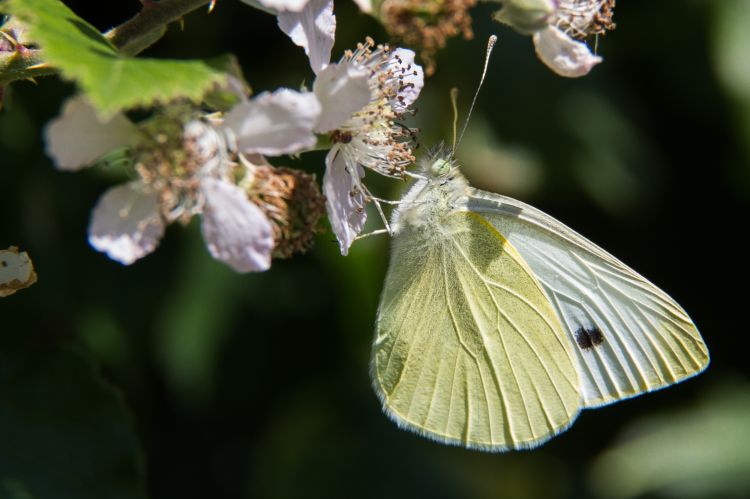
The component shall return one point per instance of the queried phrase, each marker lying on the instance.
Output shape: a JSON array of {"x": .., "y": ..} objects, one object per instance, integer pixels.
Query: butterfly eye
[{"x": 440, "y": 167}]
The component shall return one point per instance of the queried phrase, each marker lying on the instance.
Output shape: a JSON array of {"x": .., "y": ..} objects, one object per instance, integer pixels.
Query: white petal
[
  {"x": 364, "y": 5},
  {"x": 236, "y": 231},
  {"x": 276, "y": 6},
  {"x": 410, "y": 79},
  {"x": 274, "y": 124},
  {"x": 126, "y": 223},
  {"x": 16, "y": 271},
  {"x": 78, "y": 137},
  {"x": 342, "y": 90},
  {"x": 345, "y": 201},
  {"x": 562, "y": 54},
  {"x": 313, "y": 29}
]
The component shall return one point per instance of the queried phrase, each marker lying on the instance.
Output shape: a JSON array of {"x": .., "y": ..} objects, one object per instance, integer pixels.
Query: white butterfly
[{"x": 497, "y": 324}]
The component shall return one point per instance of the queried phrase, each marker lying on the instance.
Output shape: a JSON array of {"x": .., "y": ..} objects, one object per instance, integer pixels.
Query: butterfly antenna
[{"x": 490, "y": 45}]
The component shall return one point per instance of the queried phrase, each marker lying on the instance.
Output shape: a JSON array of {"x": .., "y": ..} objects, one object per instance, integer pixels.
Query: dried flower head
[
  {"x": 427, "y": 24},
  {"x": 291, "y": 201}
]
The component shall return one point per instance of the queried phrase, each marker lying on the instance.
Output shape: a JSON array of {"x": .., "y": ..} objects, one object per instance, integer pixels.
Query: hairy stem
[
  {"x": 22, "y": 65},
  {"x": 146, "y": 27}
]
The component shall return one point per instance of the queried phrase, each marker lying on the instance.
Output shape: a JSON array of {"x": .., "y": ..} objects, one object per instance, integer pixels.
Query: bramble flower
[
  {"x": 361, "y": 97},
  {"x": 369, "y": 136},
  {"x": 184, "y": 165},
  {"x": 558, "y": 28}
]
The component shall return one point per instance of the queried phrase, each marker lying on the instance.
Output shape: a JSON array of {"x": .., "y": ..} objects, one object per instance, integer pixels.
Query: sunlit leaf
[
  {"x": 732, "y": 41},
  {"x": 111, "y": 80}
]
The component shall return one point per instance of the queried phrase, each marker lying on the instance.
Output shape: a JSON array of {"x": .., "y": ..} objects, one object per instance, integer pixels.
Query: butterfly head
[{"x": 439, "y": 163}]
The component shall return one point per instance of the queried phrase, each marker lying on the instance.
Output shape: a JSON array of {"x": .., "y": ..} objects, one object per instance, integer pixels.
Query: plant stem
[
  {"x": 22, "y": 65},
  {"x": 146, "y": 27}
]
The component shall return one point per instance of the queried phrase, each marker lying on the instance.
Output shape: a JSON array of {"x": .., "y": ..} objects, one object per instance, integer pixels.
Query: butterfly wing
[
  {"x": 628, "y": 336},
  {"x": 468, "y": 349}
]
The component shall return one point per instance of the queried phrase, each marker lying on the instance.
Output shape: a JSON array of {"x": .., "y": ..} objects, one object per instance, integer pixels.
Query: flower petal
[
  {"x": 78, "y": 137},
  {"x": 236, "y": 230},
  {"x": 126, "y": 223},
  {"x": 364, "y": 5},
  {"x": 276, "y": 6},
  {"x": 562, "y": 54},
  {"x": 409, "y": 79},
  {"x": 345, "y": 201},
  {"x": 342, "y": 90},
  {"x": 274, "y": 124},
  {"x": 313, "y": 29}
]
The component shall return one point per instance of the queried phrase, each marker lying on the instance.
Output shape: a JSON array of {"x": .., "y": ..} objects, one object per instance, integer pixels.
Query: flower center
[
  {"x": 172, "y": 157},
  {"x": 371, "y": 137}
]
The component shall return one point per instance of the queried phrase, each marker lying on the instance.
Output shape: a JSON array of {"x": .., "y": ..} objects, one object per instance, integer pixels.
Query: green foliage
[
  {"x": 65, "y": 433},
  {"x": 111, "y": 80},
  {"x": 697, "y": 453}
]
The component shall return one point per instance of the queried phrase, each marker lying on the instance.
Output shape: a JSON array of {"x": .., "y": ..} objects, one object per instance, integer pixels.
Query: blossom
[
  {"x": 360, "y": 99},
  {"x": 368, "y": 136},
  {"x": 557, "y": 28},
  {"x": 183, "y": 166}
]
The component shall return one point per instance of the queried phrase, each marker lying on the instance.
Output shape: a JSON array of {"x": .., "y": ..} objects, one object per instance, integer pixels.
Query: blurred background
[{"x": 244, "y": 386}]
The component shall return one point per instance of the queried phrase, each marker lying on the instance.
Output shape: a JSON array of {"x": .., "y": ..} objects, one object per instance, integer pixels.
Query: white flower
[
  {"x": 184, "y": 170},
  {"x": 79, "y": 137},
  {"x": 557, "y": 26},
  {"x": 366, "y": 135}
]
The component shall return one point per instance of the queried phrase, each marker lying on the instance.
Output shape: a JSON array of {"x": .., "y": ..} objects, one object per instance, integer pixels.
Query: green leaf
[
  {"x": 111, "y": 80},
  {"x": 65, "y": 433}
]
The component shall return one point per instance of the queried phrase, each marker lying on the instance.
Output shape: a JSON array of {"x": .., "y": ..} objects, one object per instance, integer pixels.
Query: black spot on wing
[{"x": 589, "y": 337}]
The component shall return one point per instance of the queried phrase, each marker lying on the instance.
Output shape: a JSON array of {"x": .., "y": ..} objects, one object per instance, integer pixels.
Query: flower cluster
[
  {"x": 185, "y": 162},
  {"x": 183, "y": 169}
]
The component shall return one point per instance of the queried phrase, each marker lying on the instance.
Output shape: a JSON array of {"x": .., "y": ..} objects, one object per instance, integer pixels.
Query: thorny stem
[
  {"x": 22, "y": 64},
  {"x": 131, "y": 37}
]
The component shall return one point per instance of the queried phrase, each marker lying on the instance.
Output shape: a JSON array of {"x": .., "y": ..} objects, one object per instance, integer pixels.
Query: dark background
[{"x": 257, "y": 385}]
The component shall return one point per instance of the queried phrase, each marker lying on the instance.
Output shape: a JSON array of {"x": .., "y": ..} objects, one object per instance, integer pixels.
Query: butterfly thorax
[{"x": 432, "y": 199}]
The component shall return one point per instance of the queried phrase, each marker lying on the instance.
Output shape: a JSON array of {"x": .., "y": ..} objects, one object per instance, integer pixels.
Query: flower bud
[{"x": 526, "y": 16}]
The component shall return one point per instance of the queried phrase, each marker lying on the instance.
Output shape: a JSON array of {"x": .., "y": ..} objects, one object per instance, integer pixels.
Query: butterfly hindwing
[
  {"x": 468, "y": 350},
  {"x": 628, "y": 336}
]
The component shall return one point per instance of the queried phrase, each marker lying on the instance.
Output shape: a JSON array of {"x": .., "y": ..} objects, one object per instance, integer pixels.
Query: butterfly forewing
[
  {"x": 628, "y": 336},
  {"x": 468, "y": 349}
]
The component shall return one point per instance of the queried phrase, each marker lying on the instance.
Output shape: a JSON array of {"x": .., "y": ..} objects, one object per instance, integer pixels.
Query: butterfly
[{"x": 497, "y": 324}]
